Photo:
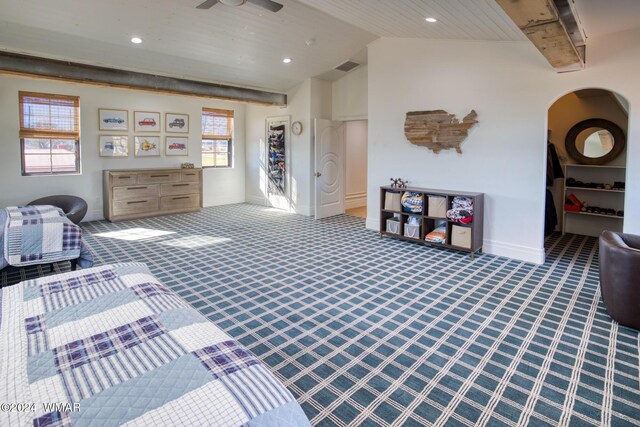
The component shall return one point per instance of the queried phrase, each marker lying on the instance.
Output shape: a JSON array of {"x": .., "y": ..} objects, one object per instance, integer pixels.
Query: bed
[
  {"x": 111, "y": 345},
  {"x": 40, "y": 234}
]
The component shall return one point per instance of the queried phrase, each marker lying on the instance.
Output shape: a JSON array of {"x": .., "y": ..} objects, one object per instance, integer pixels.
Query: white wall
[
  {"x": 356, "y": 164},
  {"x": 349, "y": 95},
  {"x": 311, "y": 99},
  {"x": 511, "y": 87},
  {"x": 221, "y": 186}
]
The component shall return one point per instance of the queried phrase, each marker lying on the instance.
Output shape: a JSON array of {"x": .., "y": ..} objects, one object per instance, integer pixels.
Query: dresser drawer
[
  {"x": 180, "y": 188},
  {"x": 136, "y": 192},
  {"x": 191, "y": 176},
  {"x": 188, "y": 201},
  {"x": 158, "y": 177},
  {"x": 128, "y": 207},
  {"x": 123, "y": 179}
]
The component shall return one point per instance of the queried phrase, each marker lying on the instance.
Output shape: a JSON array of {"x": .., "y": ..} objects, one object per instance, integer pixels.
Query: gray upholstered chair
[
  {"x": 620, "y": 276},
  {"x": 74, "y": 207}
]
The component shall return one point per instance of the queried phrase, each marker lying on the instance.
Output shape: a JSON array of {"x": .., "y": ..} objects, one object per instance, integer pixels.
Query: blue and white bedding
[
  {"x": 111, "y": 345},
  {"x": 40, "y": 235}
]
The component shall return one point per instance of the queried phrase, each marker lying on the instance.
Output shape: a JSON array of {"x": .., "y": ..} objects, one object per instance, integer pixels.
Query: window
[
  {"x": 217, "y": 138},
  {"x": 49, "y": 133}
]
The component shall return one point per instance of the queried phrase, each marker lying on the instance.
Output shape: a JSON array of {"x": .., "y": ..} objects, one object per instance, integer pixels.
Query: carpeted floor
[{"x": 380, "y": 332}]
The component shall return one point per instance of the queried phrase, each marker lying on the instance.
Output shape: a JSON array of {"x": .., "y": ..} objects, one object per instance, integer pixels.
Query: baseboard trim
[
  {"x": 509, "y": 250},
  {"x": 94, "y": 215},
  {"x": 256, "y": 200},
  {"x": 373, "y": 224},
  {"x": 355, "y": 200},
  {"x": 223, "y": 201}
]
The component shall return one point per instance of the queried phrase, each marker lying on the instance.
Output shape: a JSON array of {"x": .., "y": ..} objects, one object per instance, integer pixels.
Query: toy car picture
[
  {"x": 177, "y": 123},
  {"x": 113, "y": 120},
  {"x": 146, "y": 145},
  {"x": 147, "y": 122},
  {"x": 177, "y": 146}
]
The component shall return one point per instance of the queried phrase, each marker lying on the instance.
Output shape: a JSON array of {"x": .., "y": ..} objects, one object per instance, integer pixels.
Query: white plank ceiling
[
  {"x": 245, "y": 45},
  {"x": 457, "y": 19}
]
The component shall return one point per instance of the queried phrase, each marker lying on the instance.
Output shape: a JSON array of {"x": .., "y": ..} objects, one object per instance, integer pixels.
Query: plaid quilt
[
  {"x": 111, "y": 345},
  {"x": 41, "y": 235}
]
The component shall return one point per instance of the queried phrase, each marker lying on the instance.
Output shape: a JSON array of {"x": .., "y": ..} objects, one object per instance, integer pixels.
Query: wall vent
[{"x": 347, "y": 66}]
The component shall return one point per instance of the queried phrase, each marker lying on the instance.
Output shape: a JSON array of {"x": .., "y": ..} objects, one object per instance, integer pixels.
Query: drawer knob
[
  {"x": 136, "y": 188},
  {"x": 179, "y": 198},
  {"x": 137, "y": 201},
  {"x": 159, "y": 176}
]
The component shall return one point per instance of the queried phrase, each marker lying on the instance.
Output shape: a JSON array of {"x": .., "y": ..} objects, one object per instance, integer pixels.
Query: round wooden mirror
[{"x": 595, "y": 142}]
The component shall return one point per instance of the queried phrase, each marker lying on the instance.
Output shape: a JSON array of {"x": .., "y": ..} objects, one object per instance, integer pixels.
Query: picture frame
[
  {"x": 113, "y": 119},
  {"x": 277, "y": 155},
  {"x": 146, "y": 146},
  {"x": 113, "y": 145},
  {"x": 146, "y": 121},
  {"x": 176, "y": 146},
  {"x": 176, "y": 123}
]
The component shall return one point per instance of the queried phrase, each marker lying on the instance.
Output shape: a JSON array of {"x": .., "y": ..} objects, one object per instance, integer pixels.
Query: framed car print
[
  {"x": 113, "y": 145},
  {"x": 109, "y": 119},
  {"x": 176, "y": 146},
  {"x": 146, "y": 121},
  {"x": 176, "y": 123},
  {"x": 147, "y": 146}
]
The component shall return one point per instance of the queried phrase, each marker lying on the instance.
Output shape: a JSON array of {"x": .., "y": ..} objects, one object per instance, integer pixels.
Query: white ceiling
[
  {"x": 599, "y": 17},
  {"x": 245, "y": 45}
]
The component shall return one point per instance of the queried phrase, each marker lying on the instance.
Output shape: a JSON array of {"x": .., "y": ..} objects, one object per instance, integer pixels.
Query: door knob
[{"x": 318, "y": 174}]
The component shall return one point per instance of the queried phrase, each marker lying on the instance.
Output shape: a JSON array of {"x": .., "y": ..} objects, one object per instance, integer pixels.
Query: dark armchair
[
  {"x": 620, "y": 277},
  {"x": 74, "y": 207}
]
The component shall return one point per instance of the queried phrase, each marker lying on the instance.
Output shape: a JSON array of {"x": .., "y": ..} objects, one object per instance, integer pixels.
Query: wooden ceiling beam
[
  {"x": 541, "y": 22},
  {"x": 13, "y": 63}
]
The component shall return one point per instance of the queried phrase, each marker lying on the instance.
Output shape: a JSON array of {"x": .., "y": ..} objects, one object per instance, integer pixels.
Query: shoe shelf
[{"x": 587, "y": 177}]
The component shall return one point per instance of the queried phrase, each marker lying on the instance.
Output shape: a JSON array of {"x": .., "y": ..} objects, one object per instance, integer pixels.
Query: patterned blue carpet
[{"x": 374, "y": 332}]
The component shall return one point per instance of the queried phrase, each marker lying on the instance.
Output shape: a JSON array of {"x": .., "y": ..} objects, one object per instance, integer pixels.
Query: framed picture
[
  {"x": 113, "y": 119},
  {"x": 113, "y": 145},
  {"x": 176, "y": 146},
  {"x": 147, "y": 146},
  {"x": 146, "y": 121},
  {"x": 176, "y": 123},
  {"x": 277, "y": 138}
]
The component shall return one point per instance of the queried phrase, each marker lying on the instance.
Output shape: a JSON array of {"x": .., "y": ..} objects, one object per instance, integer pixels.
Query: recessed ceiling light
[
  {"x": 136, "y": 40},
  {"x": 287, "y": 60},
  {"x": 431, "y": 19}
]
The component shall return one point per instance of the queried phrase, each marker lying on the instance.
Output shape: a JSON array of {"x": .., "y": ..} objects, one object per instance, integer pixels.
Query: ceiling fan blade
[
  {"x": 207, "y": 4},
  {"x": 267, "y": 4}
]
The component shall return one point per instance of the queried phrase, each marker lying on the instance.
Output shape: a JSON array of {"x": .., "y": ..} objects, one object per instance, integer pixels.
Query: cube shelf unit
[
  {"x": 428, "y": 223},
  {"x": 588, "y": 223}
]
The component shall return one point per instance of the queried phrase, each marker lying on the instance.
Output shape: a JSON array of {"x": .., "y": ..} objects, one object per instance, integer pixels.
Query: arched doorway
[{"x": 586, "y": 198}]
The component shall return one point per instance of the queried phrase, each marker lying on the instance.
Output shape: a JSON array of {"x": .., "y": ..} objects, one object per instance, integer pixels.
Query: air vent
[{"x": 347, "y": 66}]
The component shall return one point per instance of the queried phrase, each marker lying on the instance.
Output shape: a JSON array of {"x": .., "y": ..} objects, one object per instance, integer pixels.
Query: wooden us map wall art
[{"x": 437, "y": 129}]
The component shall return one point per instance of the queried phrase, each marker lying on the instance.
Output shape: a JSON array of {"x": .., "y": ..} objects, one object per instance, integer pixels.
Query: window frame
[
  {"x": 229, "y": 114},
  {"x": 49, "y": 134}
]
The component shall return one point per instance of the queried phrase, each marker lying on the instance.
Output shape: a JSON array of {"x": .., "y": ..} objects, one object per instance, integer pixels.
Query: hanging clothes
[
  {"x": 550, "y": 216},
  {"x": 554, "y": 169}
]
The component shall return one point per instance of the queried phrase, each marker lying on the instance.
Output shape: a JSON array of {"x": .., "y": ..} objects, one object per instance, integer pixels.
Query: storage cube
[
  {"x": 392, "y": 201},
  {"x": 461, "y": 236},
  {"x": 412, "y": 231},
  {"x": 393, "y": 226},
  {"x": 437, "y": 206}
]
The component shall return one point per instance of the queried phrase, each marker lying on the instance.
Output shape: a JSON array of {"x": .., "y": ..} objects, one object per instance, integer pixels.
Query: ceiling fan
[{"x": 265, "y": 4}]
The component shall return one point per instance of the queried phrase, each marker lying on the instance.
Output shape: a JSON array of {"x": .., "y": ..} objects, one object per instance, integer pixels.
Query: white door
[{"x": 329, "y": 173}]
